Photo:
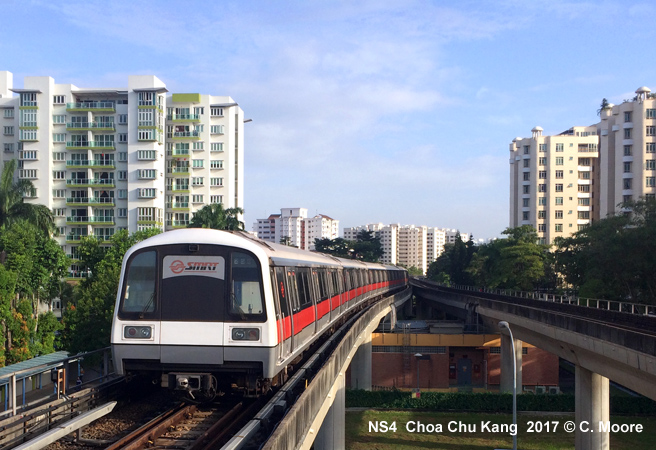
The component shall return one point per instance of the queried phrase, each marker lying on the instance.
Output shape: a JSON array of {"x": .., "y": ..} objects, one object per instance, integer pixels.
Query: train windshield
[
  {"x": 246, "y": 289},
  {"x": 140, "y": 285}
]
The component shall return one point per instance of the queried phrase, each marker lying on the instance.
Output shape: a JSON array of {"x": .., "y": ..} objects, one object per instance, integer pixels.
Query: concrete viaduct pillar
[
  {"x": 361, "y": 366},
  {"x": 507, "y": 353},
  {"x": 592, "y": 407},
  {"x": 332, "y": 434}
]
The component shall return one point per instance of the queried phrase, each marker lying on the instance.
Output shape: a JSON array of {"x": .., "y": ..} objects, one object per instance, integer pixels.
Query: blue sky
[{"x": 367, "y": 111}]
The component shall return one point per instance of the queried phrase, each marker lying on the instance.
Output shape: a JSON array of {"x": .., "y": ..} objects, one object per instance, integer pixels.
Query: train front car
[{"x": 191, "y": 313}]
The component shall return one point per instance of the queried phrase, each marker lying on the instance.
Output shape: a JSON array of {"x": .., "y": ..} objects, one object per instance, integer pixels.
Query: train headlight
[
  {"x": 245, "y": 334},
  {"x": 132, "y": 332}
]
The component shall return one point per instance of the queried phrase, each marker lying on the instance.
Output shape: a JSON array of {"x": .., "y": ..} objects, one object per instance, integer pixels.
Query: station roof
[{"x": 33, "y": 366}]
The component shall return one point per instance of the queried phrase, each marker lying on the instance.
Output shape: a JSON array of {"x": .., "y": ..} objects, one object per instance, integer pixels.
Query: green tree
[
  {"x": 216, "y": 217},
  {"x": 12, "y": 206},
  {"x": 87, "y": 323},
  {"x": 604, "y": 105},
  {"x": 453, "y": 263},
  {"x": 367, "y": 247},
  {"x": 339, "y": 247}
]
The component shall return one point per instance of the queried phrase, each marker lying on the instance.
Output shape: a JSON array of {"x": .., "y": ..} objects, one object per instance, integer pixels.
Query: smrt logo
[{"x": 177, "y": 266}]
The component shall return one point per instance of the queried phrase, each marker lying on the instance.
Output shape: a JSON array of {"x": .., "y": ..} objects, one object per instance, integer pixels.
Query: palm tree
[
  {"x": 604, "y": 105},
  {"x": 12, "y": 206},
  {"x": 216, "y": 217}
]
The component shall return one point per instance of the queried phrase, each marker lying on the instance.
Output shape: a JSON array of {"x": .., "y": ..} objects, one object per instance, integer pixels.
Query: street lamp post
[
  {"x": 418, "y": 355},
  {"x": 505, "y": 325}
]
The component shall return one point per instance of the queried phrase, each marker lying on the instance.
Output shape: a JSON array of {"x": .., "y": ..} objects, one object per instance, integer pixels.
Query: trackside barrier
[
  {"x": 570, "y": 299},
  {"x": 296, "y": 428}
]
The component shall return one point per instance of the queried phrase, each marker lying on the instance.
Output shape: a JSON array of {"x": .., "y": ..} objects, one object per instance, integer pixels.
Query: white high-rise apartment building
[
  {"x": 104, "y": 159},
  {"x": 295, "y": 225},
  {"x": 552, "y": 181},
  {"x": 407, "y": 245},
  {"x": 627, "y": 142}
]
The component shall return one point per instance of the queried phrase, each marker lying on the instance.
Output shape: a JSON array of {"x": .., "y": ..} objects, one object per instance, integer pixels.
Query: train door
[
  {"x": 292, "y": 294},
  {"x": 283, "y": 308}
]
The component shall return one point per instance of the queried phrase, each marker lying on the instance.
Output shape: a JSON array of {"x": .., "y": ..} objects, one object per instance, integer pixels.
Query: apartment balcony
[
  {"x": 180, "y": 153},
  {"x": 178, "y": 206},
  {"x": 183, "y": 118},
  {"x": 177, "y": 223},
  {"x": 90, "y": 201},
  {"x": 90, "y": 164},
  {"x": 91, "y": 126},
  {"x": 91, "y": 107},
  {"x": 91, "y": 182},
  {"x": 91, "y": 145},
  {"x": 186, "y": 135},
  {"x": 89, "y": 220},
  {"x": 75, "y": 238},
  {"x": 179, "y": 189},
  {"x": 179, "y": 171}
]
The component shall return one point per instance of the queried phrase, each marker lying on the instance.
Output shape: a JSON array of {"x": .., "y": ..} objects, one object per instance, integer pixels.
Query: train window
[
  {"x": 304, "y": 289},
  {"x": 292, "y": 290},
  {"x": 140, "y": 284},
  {"x": 282, "y": 292},
  {"x": 246, "y": 288}
]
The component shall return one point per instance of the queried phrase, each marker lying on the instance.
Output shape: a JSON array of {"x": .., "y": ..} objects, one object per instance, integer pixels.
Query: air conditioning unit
[
  {"x": 554, "y": 390},
  {"x": 540, "y": 389}
]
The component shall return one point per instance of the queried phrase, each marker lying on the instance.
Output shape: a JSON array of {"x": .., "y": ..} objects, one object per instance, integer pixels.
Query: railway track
[{"x": 189, "y": 427}]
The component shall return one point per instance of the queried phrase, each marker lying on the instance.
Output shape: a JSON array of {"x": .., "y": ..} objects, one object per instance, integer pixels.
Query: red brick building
[{"x": 450, "y": 361}]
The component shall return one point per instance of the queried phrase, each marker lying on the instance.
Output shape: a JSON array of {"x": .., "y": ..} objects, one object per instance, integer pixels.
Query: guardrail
[{"x": 608, "y": 305}]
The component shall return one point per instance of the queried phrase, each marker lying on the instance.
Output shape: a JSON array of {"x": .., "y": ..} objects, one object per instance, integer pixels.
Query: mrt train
[{"x": 201, "y": 310}]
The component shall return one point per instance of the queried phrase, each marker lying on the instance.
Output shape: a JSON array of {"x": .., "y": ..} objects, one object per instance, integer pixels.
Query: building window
[
  {"x": 197, "y": 181},
  {"x": 527, "y": 176},
  {"x": 542, "y": 147},
  {"x": 123, "y": 138},
  {"x": 559, "y": 174},
  {"x": 216, "y": 129},
  {"x": 216, "y": 164},
  {"x": 58, "y": 99},
  {"x": 628, "y": 150},
  {"x": 216, "y": 198},
  {"x": 542, "y": 227},
  {"x": 9, "y": 148},
  {"x": 584, "y": 175},
  {"x": 198, "y": 146},
  {"x": 628, "y": 116},
  {"x": 527, "y": 162},
  {"x": 59, "y": 212},
  {"x": 559, "y": 161},
  {"x": 122, "y": 175},
  {"x": 58, "y": 137},
  {"x": 651, "y": 147},
  {"x": 651, "y": 130},
  {"x": 627, "y": 167},
  {"x": 650, "y": 164},
  {"x": 542, "y": 161},
  {"x": 147, "y": 174},
  {"x": 651, "y": 114},
  {"x": 559, "y": 200},
  {"x": 123, "y": 156},
  {"x": 8, "y": 113},
  {"x": 199, "y": 110},
  {"x": 28, "y": 99},
  {"x": 584, "y": 201},
  {"x": 558, "y": 228},
  {"x": 123, "y": 119},
  {"x": 198, "y": 163},
  {"x": 525, "y": 215},
  {"x": 526, "y": 202},
  {"x": 59, "y": 193},
  {"x": 584, "y": 188},
  {"x": 59, "y": 119},
  {"x": 28, "y": 174},
  {"x": 8, "y": 131},
  {"x": 58, "y": 174},
  {"x": 216, "y": 112},
  {"x": 147, "y": 193},
  {"x": 28, "y": 135},
  {"x": 542, "y": 214},
  {"x": 197, "y": 198},
  {"x": 216, "y": 181},
  {"x": 627, "y": 183},
  {"x": 559, "y": 214},
  {"x": 541, "y": 188},
  {"x": 560, "y": 147},
  {"x": 28, "y": 155},
  {"x": 583, "y": 214},
  {"x": 542, "y": 201},
  {"x": 559, "y": 187},
  {"x": 627, "y": 133},
  {"x": 651, "y": 181},
  {"x": 122, "y": 212}
]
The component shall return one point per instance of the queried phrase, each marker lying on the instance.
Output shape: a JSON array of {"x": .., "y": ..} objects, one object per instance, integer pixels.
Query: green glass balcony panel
[
  {"x": 99, "y": 201},
  {"x": 91, "y": 106},
  {"x": 91, "y": 182},
  {"x": 91, "y": 126},
  {"x": 186, "y": 135},
  {"x": 90, "y": 164},
  {"x": 183, "y": 117},
  {"x": 90, "y": 145},
  {"x": 185, "y": 98},
  {"x": 89, "y": 220}
]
